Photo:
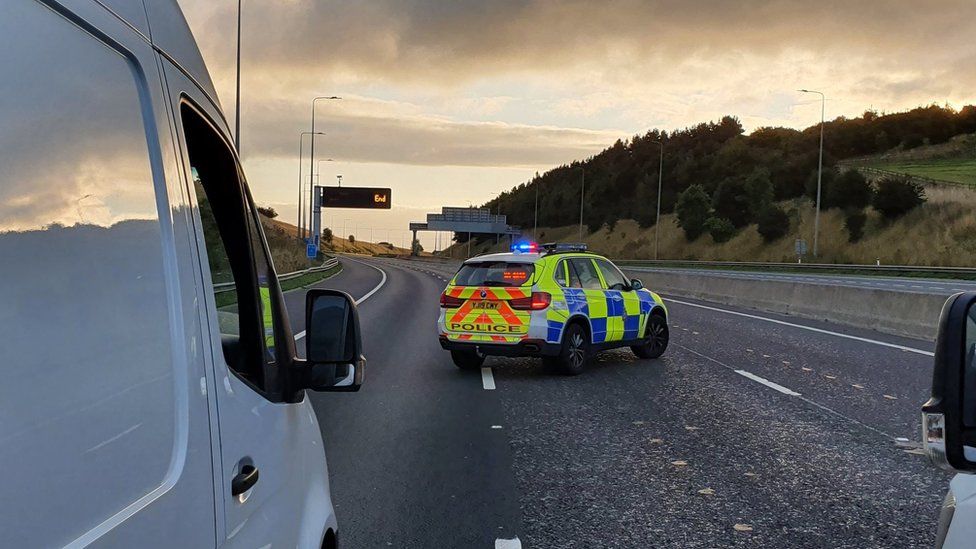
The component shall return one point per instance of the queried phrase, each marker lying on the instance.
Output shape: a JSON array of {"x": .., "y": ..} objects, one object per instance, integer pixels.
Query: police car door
[
  {"x": 624, "y": 314},
  {"x": 596, "y": 299}
]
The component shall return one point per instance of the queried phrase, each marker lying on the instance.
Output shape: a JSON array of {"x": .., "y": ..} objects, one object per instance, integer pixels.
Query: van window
[
  {"x": 89, "y": 365},
  {"x": 239, "y": 267}
]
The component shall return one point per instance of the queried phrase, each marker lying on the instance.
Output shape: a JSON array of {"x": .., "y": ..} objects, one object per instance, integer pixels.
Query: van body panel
[
  {"x": 133, "y": 12},
  {"x": 171, "y": 35},
  {"x": 105, "y": 437}
]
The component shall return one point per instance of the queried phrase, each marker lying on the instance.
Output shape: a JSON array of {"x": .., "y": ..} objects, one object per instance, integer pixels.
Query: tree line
[{"x": 739, "y": 176}]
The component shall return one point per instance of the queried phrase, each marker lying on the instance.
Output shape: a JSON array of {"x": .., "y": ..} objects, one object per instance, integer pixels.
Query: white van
[
  {"x": 137, "y": 407},
  {"x": 949, "y": 419}
]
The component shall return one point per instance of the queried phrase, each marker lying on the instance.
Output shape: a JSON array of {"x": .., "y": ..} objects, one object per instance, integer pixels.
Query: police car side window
[
  {"x": 239, "y": 267},
  {"x": 574, "y": 280},
  {"x": 588, "y": 277},
  {"x": 615, "y": 280}
]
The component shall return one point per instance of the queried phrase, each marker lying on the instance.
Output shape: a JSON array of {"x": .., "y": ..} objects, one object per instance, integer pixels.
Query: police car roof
[{"x": 507, "y": 257}]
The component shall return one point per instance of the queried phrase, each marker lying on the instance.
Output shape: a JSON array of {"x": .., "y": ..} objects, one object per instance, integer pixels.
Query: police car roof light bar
[{"x": 563, "y": 247}]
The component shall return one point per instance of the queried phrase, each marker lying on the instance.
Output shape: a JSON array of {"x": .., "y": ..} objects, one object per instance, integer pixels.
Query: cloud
[
  {"x": 438, "y": 43},
  {"x": 365, "y": 130}
]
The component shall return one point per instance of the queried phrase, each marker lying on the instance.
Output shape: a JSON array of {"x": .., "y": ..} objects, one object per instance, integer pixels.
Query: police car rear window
[{"x": 494, "y": 273}]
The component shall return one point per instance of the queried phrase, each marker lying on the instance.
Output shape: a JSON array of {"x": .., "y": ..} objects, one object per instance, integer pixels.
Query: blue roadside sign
[{"x": 311, "y": 251}]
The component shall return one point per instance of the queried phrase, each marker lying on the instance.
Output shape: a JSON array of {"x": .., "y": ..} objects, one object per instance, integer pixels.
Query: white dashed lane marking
[{"x": 487, "y": 379}]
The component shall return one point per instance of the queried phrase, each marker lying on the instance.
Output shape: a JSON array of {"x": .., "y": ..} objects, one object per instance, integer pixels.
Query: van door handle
[{"x": 245, "y": 480}]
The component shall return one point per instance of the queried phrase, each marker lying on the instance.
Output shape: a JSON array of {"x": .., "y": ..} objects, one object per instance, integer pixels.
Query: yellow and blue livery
[{"x": 558, "y": 302}]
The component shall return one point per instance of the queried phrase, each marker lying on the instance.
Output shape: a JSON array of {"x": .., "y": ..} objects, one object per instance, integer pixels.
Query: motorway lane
[
  {"x": 937, "y": 286},
  {"x": 596, "y": 460},
  {"x": 413, "y": 458}
]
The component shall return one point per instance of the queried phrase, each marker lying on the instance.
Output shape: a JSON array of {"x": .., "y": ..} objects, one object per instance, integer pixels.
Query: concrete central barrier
[
  {"x": 898, "y": 313},
  {"x": 908, "y": 314}
]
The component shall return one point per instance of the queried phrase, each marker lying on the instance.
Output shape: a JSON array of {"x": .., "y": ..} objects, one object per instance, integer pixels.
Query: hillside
[
  {"x": 719, "y": 182},
  {"x": 289, "y": 253},
  {"x": 621, "y": 181},
  {"x": 952, "y": 162},
  {"x": 941, "y": 232}
]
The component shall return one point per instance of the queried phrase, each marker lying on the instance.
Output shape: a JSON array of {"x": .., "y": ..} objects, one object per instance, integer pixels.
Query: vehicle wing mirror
[
  {"x": 333, "y": 342},
  {"x": 949, "y": 416},
  {"x": 636, "y": 284}
]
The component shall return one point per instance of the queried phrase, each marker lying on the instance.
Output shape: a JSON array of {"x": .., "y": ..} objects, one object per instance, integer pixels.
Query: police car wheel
[
  {"x": 467, "y": 360},
  {"x": 656, "y": 340},
  {"x": 575, "y": 351}
]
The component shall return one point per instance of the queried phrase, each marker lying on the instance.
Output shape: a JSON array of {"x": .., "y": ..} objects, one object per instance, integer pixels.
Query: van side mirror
[
  {"x": 333, "y": 343},
  {"x": 949, "y": 416},
  {"x": 636, "y": 284}
]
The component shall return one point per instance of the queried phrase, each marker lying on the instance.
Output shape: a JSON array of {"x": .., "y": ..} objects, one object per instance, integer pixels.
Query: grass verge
[{"x": 223, "y": 299}]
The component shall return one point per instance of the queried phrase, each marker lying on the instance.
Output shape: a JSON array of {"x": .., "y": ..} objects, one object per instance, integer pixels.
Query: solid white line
[
  {"x": 810, "y": 328},
  {"x": 487, "y": 380},
  {"x": 361, "y": 299},
  {"x": 767, "y": 383}
]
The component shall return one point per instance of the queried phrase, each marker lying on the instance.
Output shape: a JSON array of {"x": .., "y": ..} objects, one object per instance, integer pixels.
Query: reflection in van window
[{"x": 87, "y": 356}]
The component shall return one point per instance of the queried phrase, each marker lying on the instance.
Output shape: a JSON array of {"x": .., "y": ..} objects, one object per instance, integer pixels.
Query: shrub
[
  {"x": 692, "y": 211},
  {"x": 416, "y": 248},
  {"x": 773, "y": 222},
  {"x": 720, "y": 228},
  {"x": 732, "y": 202},
  {"x": 854, "y": 221},
  {"x": 267, "y": 212},
  {"x": 897, "y": 196},
  {"x": 327, "y": 235},
  {"x": 759, "y": 190},
  {"x": 849, "y": 190},
  {"x": 352, "y": 239}
]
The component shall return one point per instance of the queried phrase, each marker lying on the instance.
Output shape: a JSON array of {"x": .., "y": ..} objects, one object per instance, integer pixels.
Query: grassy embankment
[
  {"x": 952, "y": 162},
  {"x": 941, "y": 232}
]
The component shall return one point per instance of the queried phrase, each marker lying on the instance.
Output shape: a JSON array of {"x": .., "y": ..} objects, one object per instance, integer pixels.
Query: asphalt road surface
[
  {"x": 751, "y": 431},
  {"x": 939, "y": 286}
]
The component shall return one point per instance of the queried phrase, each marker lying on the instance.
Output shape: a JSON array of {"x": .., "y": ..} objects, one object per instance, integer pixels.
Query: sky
[{"x": 450, "y": 103}]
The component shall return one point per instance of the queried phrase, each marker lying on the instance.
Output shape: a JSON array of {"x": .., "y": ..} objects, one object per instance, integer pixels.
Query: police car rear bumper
[{"x": 526, "y": 347}]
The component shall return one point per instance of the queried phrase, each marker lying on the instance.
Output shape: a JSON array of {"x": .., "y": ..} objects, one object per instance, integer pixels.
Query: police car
[{"x": 556, "y": 301}]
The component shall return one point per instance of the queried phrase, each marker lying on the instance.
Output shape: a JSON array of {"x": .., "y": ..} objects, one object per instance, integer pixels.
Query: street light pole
[
  {"x": 301, "y": 141},
  {"x": 311, "y": 159},
  {"x": 816, "y": 215},
  {"x": 657, "y": 220},
  {"x": 582, "y": 191}
]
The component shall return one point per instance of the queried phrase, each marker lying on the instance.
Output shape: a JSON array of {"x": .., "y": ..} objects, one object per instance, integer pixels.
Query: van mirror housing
[
  {"x": 949, "y": 416},
  {"x": 333, "y": 342},
  {"x": 636, "y": 284}
]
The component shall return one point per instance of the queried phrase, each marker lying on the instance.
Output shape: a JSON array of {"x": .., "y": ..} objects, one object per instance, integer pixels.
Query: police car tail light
[
  {"x": 449, "y": 302},
  {"x": 536, "y": 302}
]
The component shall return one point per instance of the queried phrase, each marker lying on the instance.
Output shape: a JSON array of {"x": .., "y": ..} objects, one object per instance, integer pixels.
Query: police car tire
[
  {"x": 656, "y": 341},
  {"x": 467, "y": 360},
  {"x": 575, "y": 351}
]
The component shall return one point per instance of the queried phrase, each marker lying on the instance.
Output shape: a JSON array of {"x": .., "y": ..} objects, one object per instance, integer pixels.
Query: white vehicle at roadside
[
  {"x": 949, "y": 419},
  {"x": 140, "y": 407}
]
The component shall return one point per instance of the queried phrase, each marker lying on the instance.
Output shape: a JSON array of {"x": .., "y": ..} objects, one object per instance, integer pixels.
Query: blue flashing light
[{"x": 525, "y": 248}]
